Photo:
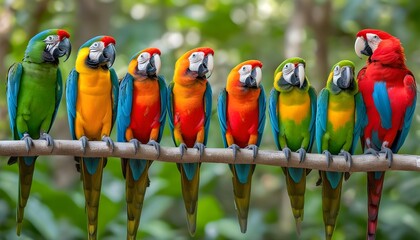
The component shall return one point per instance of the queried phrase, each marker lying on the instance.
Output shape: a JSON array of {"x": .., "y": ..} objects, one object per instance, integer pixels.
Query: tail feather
[
  {"x": 135, "y": 191},
  {"x": 26, "y": 173},
  {"x": 242, "y": 193},
  {"x": 92, "y": 190},
  {"x": 296, "y": 192},
  {"x": 190, "y": 195},
  {"x": 374, "y": 187},
  {"x": 331, "y": 198}
]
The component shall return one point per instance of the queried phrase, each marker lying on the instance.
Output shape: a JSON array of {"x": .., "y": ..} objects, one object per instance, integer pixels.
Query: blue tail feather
[
  {"x": 190, "y": 169},
  {"x": 296, "y": 174},
  {"x": 91, "y": 164},
  {"x": 137, "y": 167},
  {"x": 242, "y": 172}
]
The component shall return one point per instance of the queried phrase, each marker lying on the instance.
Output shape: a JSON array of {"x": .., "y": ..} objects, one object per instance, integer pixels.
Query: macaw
[
  {"x": 292, "y": 110},
  {"x": 389, "y": 91},
  {"x": 140, "y": 119},
  {"x": 189, "y": 109},
  {"x": 340, "y": 119},
  {"x": 34, "y": 91},
  {"x": 241, "y": 111},
  {"x": 92, "y": 97}
]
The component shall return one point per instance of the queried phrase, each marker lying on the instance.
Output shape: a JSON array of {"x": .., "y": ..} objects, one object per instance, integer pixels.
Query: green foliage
[{"x": 238, "y": 30}]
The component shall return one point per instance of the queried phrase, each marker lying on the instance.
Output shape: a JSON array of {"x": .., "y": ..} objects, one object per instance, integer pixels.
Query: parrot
[
  {"x": 140, "y": 119},
  {"x": 92, "y": 98},
  {"x": 241, "y": 113},
  {"x": 340, "y": 120},
  {"x": 389, "y": 91},
  {"x": 189, "y": 109},
  {"x": 292, "y": 111},
  {"x": 34, "y": 91}
]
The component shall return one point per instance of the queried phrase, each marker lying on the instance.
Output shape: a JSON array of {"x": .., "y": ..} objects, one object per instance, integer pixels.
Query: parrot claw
[
  {"x": 235, "y": 149},
  {"x": 328, "y": 157},
  {"x": 84, "y": 141},
  {"x": 388, "y": 155},
  {"x": 200, "y": 147},
  {"x": 347, "y": 157},
  {"x": 136, "y": 144},
  {"x": 156, "y": 145},
  {"x": 50, "y": 141},
  {"x": 372, "y": 152},
  {"x": 182, "y": 149},
  {"x": 287, "y": 152},
  {"x": 108, "y": 142},
  {"x": 28, "y": 141},
  {"x": 302, "y": 154},
  {"x": 254, "y": 149}
]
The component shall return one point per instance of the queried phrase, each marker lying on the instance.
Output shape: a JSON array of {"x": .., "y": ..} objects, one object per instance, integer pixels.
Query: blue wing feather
[
  {"x": 382, "y": 104},
  {"x": 163, "y": 105},
  {"x": 208, "y": 99},
  {"x": 312, "y": 96},
  {"x": 321, "y": 118},
  {"x": 261, "y": 114},
  {"x": 71, "y": 98},
  {"x": 115, "y": 93},
  {"x": 221, "y": 112},
  {"x": 360, "y": 121},
  {"x": 408, "y": 117},
  {"x": 274, "y": 115},
  {"x": 170, "y": 109},
  {"x": 125, "y": 102},
  {"x": 13, "y": 85}
]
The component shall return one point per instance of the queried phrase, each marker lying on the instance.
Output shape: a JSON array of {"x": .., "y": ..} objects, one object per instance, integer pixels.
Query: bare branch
[{"x": 361, "y": 163}]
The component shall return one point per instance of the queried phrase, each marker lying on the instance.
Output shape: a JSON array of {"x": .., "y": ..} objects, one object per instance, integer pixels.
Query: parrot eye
[
  {"x": 244, "y": 70},
  {"x": 96, "y": 45},
  {"x": 288, "y": 68},
  {"x": 196, "y": 57},
  {"x": 336, "y": 70},
  {"x": 50, "y": 39},
  {"x": 143, "y": 57}
]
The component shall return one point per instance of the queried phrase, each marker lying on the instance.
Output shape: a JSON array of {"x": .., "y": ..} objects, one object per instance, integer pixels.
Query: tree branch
[{"x": 361, "y": 163}]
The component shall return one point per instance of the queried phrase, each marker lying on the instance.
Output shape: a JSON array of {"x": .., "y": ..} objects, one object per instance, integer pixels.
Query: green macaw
[
  {"x": 292, "y": 110},
  {"x": 340, "y": 119},
  {"x": 34, "y": 90}
]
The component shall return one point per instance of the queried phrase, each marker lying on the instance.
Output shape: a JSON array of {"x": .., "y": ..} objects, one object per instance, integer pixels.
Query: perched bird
[
  {"x": 241, "y": 111},
  {"x": 34, "y": 90},
  {"x": 189, "y": 109},
  {"x": 389, "y": 92},
  {"x": 340, "y": 119},
  {"x": 92, "y": 96},
  {"x": 292, "y": 110},
  {"x": 140, "y": 119}
]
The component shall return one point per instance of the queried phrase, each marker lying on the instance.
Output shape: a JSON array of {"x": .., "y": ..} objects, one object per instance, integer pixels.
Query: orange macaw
[
  {"x": 189, "y": 108},
  {"x": 241, "y": 111},
  {"x": 92, "y": 97}
]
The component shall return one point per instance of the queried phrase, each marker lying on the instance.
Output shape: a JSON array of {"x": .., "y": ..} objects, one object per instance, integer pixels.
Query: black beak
[
  {"x": 108, "y": 55},
  {"x": 251, "y": 81},
  {"x": 346, "y": 78},
  {"x": 151, "y": 68},
  {"x": 294, "y": 79},
  {"x": 367, "y": 50},
  {"x": 203, "y": 69},
  {"x": 63, "y": 49}
]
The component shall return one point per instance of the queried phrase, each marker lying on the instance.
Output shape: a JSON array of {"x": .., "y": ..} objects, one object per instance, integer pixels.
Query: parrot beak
[
  {"x": 254, "y": 79},
  {"x": 206, "y": 67},
  {"x": 361, "y": 46},
  {"x": 63, "y": 49},
  {"x": 108, "y": 55},
  {"x": 345, "y": 79},
  {"x": 154, "y": 65},
  {"x": 298, "y": 77}
]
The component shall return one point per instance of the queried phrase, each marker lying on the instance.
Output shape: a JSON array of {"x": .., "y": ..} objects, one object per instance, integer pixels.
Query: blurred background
[{"x": 320, "y": 31}]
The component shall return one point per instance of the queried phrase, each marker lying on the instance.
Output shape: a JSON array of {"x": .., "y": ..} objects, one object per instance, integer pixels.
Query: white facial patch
[
  {"x": 337, "y": 74},
  {"x": 195, "y": 59},
  {"x": 288, "y": 71},
  {"x": 373, "y": 41},
  {"x": 52, "y": 42},
  {"x": 244, "y": 73},
  {"x": 142, "y": 60},
  {"x": 95, "y": 50}
]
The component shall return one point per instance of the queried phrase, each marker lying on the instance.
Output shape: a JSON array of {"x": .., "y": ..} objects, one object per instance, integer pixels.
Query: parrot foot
[
  {"x": 235, "y": 149},
  {"x": 182, "y": 149},
  {"x": 28, "y": 141},
  {"x": 108, "y": 142},
  {"x": 254, "y": 149},
  {"x": 372, "y": 152},
  {"x": 50, "y": 141},
  {"x": 84, "y": 141},
  {"x": 347, "y": 157},
  {"x": 156, "y": 145},
  {"x": 388, "y": 154},
  {"x": 200, "y": 147},
  {"x": 287, "y": 152},
  {"x": 136, "y": 144},
  {"x": 302, "y": 154},
  {"x": 328, "y": 157}
]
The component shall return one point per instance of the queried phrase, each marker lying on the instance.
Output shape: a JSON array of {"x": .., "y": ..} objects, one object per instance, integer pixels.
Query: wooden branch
[{"x": 361, "y": 163}]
